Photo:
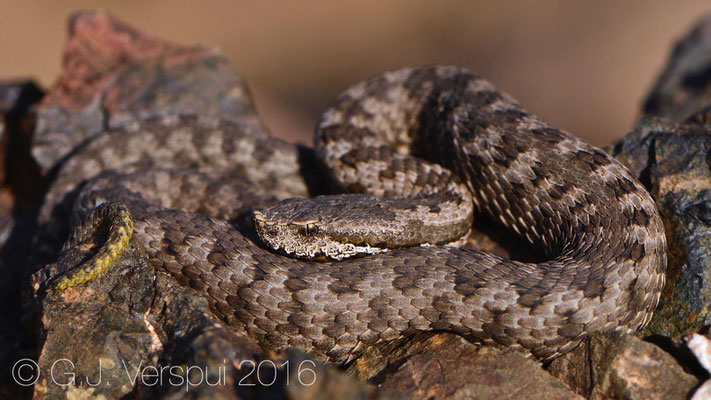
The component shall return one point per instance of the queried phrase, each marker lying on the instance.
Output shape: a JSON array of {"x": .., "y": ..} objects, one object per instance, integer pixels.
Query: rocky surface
[
  {"x": 700, "y": 346},
  {"x": 113, "y": 74},
  {"x": 624, "y": 367},
  {"x": 139, "y": 333},
  {"x": 19, "y": 176},
  {"x": 668, "y": 151},
  {"x": 121, "y": 329},
  {"x": 684, "y": 86},
  {"x": 446, "y": 366},
  {"x": 20, "y": 185},
  {"x": 675, "y": 166}
]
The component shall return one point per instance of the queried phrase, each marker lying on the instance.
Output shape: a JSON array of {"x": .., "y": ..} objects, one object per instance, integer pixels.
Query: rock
[
  {"x": 610, "y": 366},
  {"x": 668, "y": 151},
  {"x": 17, "y": 96},
  {"x": 212, "y": 362},
  {"x": 6, "y": 199},
  {"x": 16, "y": 171},
  {"x": 669, "y": 156},
  {"x": 703, "y": 392},
  {"x": 446, "y": 366},
  {"x": 20, "y": 182},
  {"x": 18, "y": 177},
  {"x": 312, "y": 380},
  {"x": 700, "y": 345},
  {"x": 137, "y": 332},
  {"x": 114, "y": 334},
  {"x": 19, "y": 197},
  {"x": 134, "y": 321},
  {"x": 96, "y": 332},
  {"x": 113, "y": 74},
  {"x": 671, "y": 159},
  {"x": 134, "y": 331},
  {"x": 684, "y": 87},
  {"x": 15, "y": 100}
]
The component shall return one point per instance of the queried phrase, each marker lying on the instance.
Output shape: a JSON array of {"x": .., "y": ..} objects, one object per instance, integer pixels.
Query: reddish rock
[{"x": 113, "y": 74}]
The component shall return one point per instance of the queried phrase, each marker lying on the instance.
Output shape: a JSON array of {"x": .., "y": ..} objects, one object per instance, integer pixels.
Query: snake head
[{"x": 305, "y": 229}]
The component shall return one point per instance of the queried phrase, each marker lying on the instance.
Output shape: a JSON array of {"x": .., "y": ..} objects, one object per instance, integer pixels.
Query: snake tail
[{"x": 117, "y": 218}]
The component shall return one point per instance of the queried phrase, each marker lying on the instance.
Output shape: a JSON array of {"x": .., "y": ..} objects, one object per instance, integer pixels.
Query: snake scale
[{"x": 436, "y": 142}]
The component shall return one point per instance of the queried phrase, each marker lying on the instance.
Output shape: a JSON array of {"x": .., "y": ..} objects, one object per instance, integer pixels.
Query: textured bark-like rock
[
  {"x": 609, "y": 366},
  {"x": 446, "y": 366}
]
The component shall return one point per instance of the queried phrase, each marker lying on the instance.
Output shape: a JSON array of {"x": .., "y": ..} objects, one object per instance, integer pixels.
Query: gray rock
[
  {"x": 671, "y": 159},
  {"x": 668, "y": 151},
  {"x": 684, "y": 86},
  {"x": 95, "y": 333}
]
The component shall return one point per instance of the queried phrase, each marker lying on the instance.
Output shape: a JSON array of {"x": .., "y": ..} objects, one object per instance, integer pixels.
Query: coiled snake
[{"x": 177, "y": 183}]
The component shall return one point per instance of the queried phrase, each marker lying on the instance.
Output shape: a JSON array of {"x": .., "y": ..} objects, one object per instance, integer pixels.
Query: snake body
[{"x": 414, "y": 135}]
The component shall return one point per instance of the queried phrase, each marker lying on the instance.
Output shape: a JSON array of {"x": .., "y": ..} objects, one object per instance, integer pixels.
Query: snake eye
[{"x": 309, "y": 230}]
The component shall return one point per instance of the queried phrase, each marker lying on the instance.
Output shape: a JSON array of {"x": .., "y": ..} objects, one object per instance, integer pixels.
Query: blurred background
[{"x": 582, "y": 66}]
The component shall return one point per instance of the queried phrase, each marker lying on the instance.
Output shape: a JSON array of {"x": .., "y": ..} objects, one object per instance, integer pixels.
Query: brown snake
[{"x": 182, "y": 179}]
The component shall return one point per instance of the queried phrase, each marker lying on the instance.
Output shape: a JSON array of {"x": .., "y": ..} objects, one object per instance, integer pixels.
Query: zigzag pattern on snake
[{"x": 185, "y": 179}]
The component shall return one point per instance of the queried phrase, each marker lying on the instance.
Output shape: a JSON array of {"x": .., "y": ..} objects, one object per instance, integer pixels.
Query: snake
[{"x": 413, "y": 156}]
